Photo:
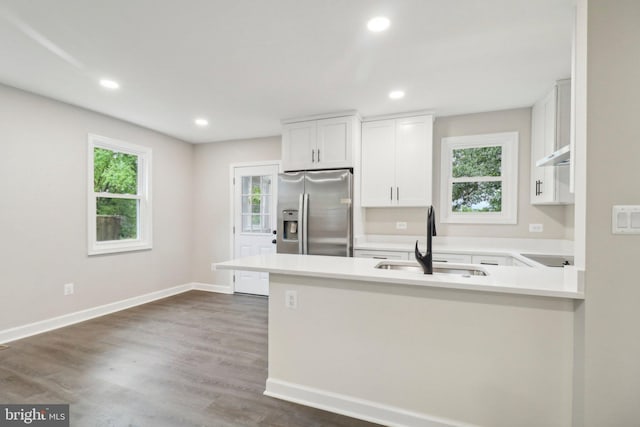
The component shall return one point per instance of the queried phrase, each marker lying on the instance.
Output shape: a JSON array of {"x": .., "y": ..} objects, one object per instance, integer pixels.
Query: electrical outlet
[
  {"x": 401, "y": 225},
  {"x": 536, "y": 228},
  {"x": 68, "y": 288},
  {"x": 291, "y": 299}
]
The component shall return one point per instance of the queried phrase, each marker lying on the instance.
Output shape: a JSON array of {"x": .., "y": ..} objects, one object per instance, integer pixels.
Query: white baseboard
[
  {"x": 46, "y": 325},
  {"x": 212, "y": 288},
  {"x": 353, "y": 407}
]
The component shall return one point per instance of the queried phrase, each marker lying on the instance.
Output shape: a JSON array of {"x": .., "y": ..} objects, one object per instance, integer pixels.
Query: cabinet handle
[
  {"x": 440, "y": 260},
  {"x": 391, "y": 194},
  {"x": 318, "y": 155},
  {"x": 313, "y": 156},
  {"x": 379, "y": 257},
  {"x": 398, "y": 193},
  {"x": 539, "y": 187},
  {"x": 488, "y": 263}
]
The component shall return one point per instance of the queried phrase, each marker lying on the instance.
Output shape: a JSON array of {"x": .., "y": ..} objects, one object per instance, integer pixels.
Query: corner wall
[
  {"x": 43, "y": 183},
  {"x": 611, "y": 313},
  {"x": 211, "y": 225}
]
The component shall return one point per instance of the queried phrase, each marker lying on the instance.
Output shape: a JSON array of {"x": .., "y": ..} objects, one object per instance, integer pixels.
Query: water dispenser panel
[{"x": 290, "y": 225}]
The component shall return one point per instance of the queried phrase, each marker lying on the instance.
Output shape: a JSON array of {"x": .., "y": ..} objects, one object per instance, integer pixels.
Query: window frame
[
  {"x": 144, "y": 222},
  {"x": 509, "y": 178}
]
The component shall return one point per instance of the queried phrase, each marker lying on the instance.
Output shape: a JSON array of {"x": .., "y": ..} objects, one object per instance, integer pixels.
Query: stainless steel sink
[{"x": 462, "y": 270}]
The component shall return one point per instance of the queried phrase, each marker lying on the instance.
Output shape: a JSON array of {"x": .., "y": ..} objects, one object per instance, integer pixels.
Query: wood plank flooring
[{"x": 195, "y": 359}]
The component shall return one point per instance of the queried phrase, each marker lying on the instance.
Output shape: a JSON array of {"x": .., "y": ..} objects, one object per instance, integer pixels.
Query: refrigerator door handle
[
  {"x": 305, "y": 223},
  {"x": 301, "y": 225}
]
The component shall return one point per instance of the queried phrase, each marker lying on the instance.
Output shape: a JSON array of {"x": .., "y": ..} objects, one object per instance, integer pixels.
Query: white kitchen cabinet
[
  {"x": 361, "y": 253},
  {"x": 550, "y": 130},
  {"x": 448, "y": 257},
  {"x": 319, "y": 144},
  {"x": 490, "y": 260},
  {"x": 397, "y": 162}
]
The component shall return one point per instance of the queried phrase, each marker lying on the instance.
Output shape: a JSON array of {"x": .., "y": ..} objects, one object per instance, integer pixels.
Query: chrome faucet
[{"x": 426, "y": 260}]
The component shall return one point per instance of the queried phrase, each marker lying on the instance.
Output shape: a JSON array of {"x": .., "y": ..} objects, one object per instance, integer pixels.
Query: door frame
[{"x": 232, "y": 240}]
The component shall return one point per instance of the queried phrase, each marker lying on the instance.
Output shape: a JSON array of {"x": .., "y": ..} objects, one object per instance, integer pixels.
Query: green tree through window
[
  {"x": 470, "y": 168},
  {"x": 116, "y": 173}
]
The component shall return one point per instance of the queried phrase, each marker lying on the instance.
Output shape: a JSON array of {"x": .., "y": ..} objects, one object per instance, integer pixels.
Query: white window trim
[
  {"x": 509, "y": 143},
  {"x": 144, "y": 240}
]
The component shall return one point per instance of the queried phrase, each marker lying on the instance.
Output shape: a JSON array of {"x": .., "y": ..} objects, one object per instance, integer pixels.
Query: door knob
[
  {"x": 274, "y": 241},
  {"x": 275, "y": 231}
]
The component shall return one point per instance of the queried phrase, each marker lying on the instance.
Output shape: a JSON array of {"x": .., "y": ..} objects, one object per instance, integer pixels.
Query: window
[
  {"x": 119, "y": 196},
  {"x": 256, "y": 200},
  {"x": 479, "y": 179}
]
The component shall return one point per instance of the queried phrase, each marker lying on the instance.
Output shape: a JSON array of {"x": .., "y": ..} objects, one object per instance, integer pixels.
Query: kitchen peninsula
[{"x": 402, "y": 348}]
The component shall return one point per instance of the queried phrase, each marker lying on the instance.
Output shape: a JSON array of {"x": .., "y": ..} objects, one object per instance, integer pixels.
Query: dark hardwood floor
[{"x": 195, "y": 359}]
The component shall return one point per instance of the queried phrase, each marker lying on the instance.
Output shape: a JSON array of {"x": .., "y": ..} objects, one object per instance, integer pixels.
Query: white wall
[
  {"x": 557, "y": 224},
  {"x": 211, "y": 223},
  {"x": 610, "y": 314},
  {"x": 43, "y": 208}
]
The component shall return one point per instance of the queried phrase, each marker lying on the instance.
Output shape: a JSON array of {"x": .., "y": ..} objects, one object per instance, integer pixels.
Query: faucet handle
[
  {"x": 417, "y": 252},
  {"x": 425, "y": 260}
]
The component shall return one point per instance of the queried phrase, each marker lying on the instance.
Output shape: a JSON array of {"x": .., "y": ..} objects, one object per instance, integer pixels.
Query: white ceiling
[{"x": 246, "y": 64}]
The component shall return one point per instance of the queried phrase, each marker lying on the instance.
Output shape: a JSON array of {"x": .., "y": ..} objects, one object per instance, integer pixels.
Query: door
[
  {"x": 328, "y": 218},
  {"x": 414, "y": 162},
  {"x": 543, "y": 135},
  {"x": 289, "y": 226},
  {"x": 299, "y": 146},
  {"x": 334, "y": 144},
  {"x": 378, "y": 163},
  {"x": 255, "y": 196}
]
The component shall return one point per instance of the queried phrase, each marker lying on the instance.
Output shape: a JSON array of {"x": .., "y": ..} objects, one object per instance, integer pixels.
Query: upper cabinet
[
  {"x": 326, "y": 143},
  {"x": 397, "y": 162},
  {"x": 550, "y": 130}
]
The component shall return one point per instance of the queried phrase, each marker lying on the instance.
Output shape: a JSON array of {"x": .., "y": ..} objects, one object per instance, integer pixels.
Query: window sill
[
  {"x": 477, "y": 220},
  {"x": 111, "y": 248}
]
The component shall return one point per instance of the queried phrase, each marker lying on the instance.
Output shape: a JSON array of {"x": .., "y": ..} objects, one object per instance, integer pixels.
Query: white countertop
[{"x": 549, "y": 282}]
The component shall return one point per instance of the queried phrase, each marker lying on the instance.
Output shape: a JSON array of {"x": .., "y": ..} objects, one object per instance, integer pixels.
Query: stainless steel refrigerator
[{"x": 314, "y": 213}]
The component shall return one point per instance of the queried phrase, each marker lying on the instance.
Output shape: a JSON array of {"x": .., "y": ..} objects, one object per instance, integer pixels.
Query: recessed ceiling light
[
  {"x": 377, "y": 24},
  {"x": 201, "y": 122},
  {"x": 109, "y": 84},
  {"x": 396, "y": 94}
]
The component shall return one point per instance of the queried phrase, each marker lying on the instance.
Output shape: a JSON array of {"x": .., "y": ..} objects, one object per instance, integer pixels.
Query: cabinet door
[
  {"x": 413, "y": 162},
  {"x": 360, "y": 253},
  {"x": 459, "y": 258},
  {"x": 298, "y": 146},
  {"x": 378, "y": 163},
  {"x": 543, "y": 143},
  {"x": 334, "y": 143},
  {"x": 490, "y": 260}
]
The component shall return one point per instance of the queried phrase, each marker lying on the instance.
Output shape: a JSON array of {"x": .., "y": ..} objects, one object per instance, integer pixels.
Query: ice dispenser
[{"x": 290, "y": 225}]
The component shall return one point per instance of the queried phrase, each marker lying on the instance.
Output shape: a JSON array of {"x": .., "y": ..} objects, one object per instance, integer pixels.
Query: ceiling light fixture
[
  {"x": 109, "y": 84},
  {"x": 379, "y": 23},
  {"x": 396, "y": 94},
  {"x": 201, "y": 122}
]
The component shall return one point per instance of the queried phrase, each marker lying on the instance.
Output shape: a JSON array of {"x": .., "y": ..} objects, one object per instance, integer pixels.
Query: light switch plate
[{"x": 625, "y": 219}]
